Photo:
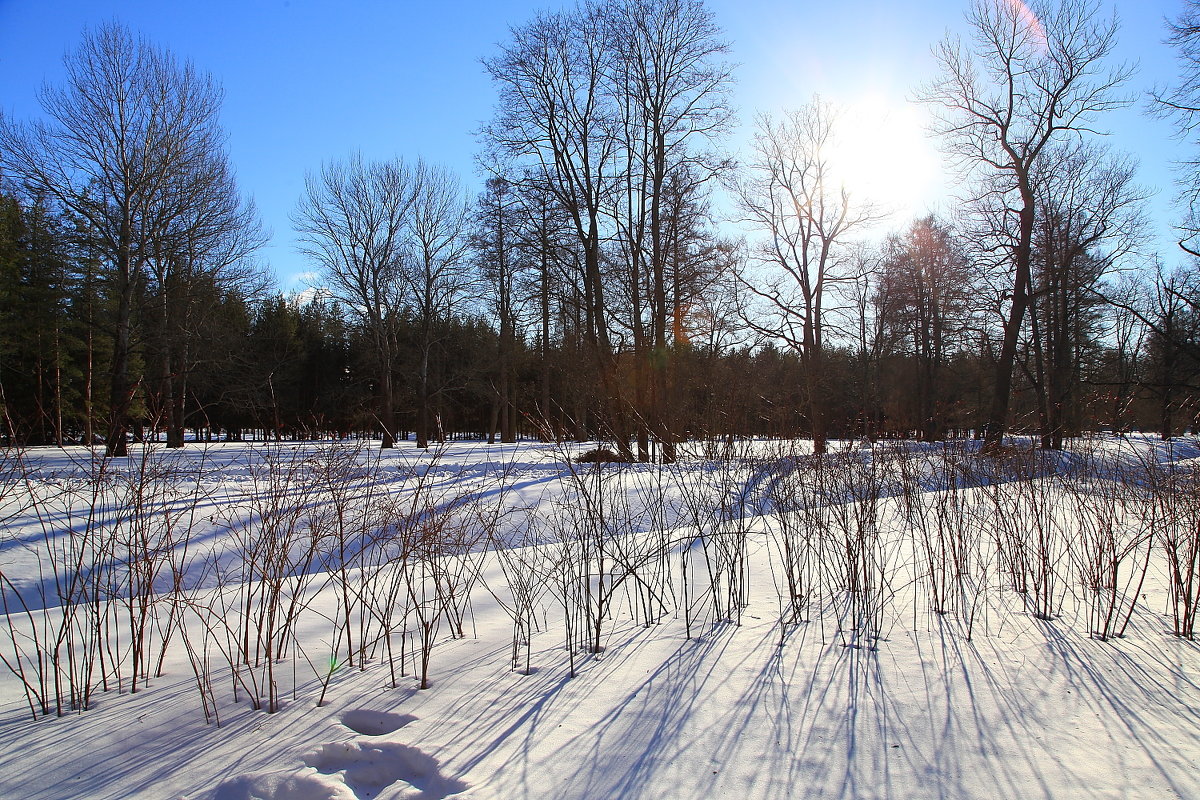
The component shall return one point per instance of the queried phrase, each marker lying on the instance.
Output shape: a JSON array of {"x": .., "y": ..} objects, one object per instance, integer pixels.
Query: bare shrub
[
  {"x": 154, "y": 513},
  {"x": 1114, "y": 542},
  {"x": 53, "y": 618},
  {"x": 262, "y": 572},
  {"x": 941, "y": 514},
  {"x": 1174, "y": 521},
  {"x": 713, "y": 567},
  {"x": 347, "y": 522},
  {"x": 797, "y": 537},
  {"x": 525, "y": 555},
  {"x": 609, "y": 525},
  {"x": 112, "y": 552},
  {"x": 860, "y": 560},
  {"x": 434, "y": 545},
  {"x": 1032, "y": 543}
]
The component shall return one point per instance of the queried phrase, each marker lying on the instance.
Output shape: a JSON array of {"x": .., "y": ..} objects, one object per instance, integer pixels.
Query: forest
[{"x": 622, "y": 275}]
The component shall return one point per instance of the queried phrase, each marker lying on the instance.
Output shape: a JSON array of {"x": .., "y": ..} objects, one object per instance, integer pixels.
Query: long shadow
[
  {"x": 48, "y": 532},
  {"x": 658, "y": 708},
  {"x": 165, "y": 742},
  {"x": 1139, "y": 704}
]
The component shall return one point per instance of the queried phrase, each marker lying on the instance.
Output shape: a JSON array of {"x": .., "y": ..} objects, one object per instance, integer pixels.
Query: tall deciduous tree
[
  {"x": 793, "y": 196},
  {"x": 500, "y": 257},
  {"x": 436, "y": 270},
  {"x": 1172, "y": 311},
  {"x": 1031, "y": 74},
  {"x": 554, "y": 117},
  {"x": 198, "y": 247},
  {"x": 353, "y": 220},
  {"x": 1088, "y": 219},
  {"x": 927, "y": 282},
  {"x": 671, "y": 89},
  {"x": 1181, "y": 102},
  {"x": 122, "y": 141}
]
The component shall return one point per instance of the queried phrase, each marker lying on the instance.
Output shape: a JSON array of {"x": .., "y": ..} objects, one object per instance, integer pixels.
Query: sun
[{"x": 882, "y": 154}]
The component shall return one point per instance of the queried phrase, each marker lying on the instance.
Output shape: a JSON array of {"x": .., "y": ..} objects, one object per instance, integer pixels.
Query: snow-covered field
[{"x": 892, "y": 622}]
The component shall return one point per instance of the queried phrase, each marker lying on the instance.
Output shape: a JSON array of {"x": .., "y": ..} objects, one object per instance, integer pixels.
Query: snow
[{"x": 744, "y": 707}]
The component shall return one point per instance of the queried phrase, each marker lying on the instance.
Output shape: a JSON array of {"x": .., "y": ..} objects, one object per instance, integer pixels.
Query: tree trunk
[
  {"x": 997, "y": 420},
  {"x": 120, "y": 395},
  {"x": 423, "y": 401}
]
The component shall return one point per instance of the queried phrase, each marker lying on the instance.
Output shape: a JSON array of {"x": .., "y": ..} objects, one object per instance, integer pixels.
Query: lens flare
[{"x": 1027, "y": 21}]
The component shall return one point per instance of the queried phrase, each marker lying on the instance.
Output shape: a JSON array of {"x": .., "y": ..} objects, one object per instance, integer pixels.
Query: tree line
[{"x": 622, "y": 275}]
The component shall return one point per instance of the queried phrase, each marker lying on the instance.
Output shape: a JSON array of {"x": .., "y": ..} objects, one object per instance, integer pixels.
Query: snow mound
[
  {"x": 370, "y": 767},
  {"x": 283, "y": 786}
]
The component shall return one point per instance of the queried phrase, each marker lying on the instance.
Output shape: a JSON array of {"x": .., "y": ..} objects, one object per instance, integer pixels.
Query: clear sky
[{"x": 311, "y": 80}]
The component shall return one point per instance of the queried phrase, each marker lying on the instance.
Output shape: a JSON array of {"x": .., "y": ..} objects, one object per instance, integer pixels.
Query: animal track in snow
[
  {"x": 375, "y": 723},
  {"x": 370, "y": 767}
]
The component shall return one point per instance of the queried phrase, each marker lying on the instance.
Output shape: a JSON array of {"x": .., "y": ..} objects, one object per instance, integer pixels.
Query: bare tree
[
  {"x": 793, "y": 196},
  {"x": 500, "y": 259},
  {"x": 552, "y": 117},
  {"x": 927, "y": 282},
  {"x": 435, "y": 269},
  {"x": 353, "y": 220},
  {"x": 1163, "y": 312},
  {"x": 1181, "y": 103},
  {"x": 202, "y": 246},
  {"x": 544, "y": 236},
  {"x": 1031, "y": 75},
  {"x": 672, "y": 94},
  {"x": 123, "y": 139},
  {"x": 1172, "y": 313},
  {"x": 1088, "y": 220},
  {"x": 613, "y": 107},
  {"x": 1125, "y": 358}
]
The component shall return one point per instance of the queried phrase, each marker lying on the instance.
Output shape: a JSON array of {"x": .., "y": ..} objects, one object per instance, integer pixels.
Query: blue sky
[{"x": 307, "y": 81}]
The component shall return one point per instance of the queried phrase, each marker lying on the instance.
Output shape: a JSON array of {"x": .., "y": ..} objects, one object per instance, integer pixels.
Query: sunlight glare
[{"x": 883, "y": 155}]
